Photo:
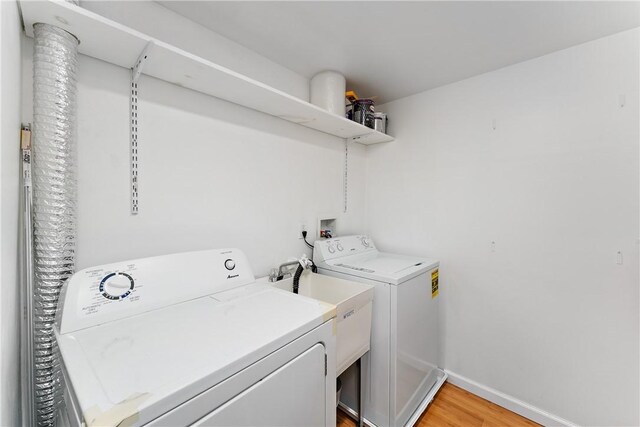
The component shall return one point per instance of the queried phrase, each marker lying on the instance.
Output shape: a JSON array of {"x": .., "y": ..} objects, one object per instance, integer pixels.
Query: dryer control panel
[
  {"x": 112, "y": 292},
  {"x": 339, "y": 247}
]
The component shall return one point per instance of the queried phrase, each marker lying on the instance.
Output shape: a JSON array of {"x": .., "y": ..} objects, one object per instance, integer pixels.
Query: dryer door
[{"x": 293, "y": 395}]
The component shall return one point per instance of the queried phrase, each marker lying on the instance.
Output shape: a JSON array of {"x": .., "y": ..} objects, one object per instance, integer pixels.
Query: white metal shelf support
[
  {"x": 133, "y": 122},
  {"x": 346, "y": 173}
]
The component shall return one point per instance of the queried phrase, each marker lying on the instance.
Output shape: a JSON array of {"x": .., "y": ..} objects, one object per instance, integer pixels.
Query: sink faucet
[{"x": 285, "y": 270}]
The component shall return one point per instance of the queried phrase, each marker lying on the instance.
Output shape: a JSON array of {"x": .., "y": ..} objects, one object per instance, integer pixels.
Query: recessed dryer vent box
[{"x": 327, "y": 227}]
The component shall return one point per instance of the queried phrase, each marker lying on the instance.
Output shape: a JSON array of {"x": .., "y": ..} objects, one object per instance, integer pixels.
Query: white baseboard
[{"x": 508, "y": 402}]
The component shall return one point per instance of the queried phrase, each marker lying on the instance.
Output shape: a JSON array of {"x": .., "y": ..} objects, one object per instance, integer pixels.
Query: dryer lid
[
  {"x": 111, "y": 292},
  {"x": 146, "y": 365}
]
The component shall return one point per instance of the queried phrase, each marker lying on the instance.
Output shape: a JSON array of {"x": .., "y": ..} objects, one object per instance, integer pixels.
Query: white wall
[
  {"x": 10, "y": 77},
  {"x": 157, "y": 21},
  {"x": 546, "y": 316},
  {"x": 212, "y": 174}
]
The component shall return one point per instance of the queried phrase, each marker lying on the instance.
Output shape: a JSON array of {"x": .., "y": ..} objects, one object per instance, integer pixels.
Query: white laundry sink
[{"x": 353, "y": 303}]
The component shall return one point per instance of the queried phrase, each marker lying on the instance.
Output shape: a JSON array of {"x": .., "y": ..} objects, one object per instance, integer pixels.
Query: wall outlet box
[{"x": 327, "y": 226}]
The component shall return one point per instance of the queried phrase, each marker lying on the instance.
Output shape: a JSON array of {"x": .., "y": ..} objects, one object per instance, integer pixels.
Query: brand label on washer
[{"x": 434, "y": 283}]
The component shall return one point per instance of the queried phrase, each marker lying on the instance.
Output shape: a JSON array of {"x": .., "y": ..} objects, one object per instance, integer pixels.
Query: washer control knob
[
  {"x": 116, "y": 286},
  {"x": 339, "y": 246},
  {"x": 331, "y": 249},
  {"x": 229, "y": 264}
]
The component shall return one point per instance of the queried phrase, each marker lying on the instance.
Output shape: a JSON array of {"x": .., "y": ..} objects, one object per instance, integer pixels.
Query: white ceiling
[{"x": 393, "y": 49}]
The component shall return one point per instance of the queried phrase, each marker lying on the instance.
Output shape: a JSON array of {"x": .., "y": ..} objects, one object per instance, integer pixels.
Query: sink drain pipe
[{"x": 55, "y": 62}]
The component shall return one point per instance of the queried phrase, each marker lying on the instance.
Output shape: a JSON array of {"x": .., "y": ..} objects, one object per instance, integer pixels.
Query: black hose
[
  {"x": 299, "y": 271},
  {"x": 296, "y": 278}
]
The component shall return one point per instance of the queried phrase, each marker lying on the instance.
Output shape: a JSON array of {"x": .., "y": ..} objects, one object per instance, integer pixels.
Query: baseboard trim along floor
[{"x": 509, "y": 402}]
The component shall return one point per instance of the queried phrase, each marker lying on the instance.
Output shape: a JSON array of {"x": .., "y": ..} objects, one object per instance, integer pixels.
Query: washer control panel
[
  {"x": 111, "y": 292},
  {"x": 341, "y": 246}
]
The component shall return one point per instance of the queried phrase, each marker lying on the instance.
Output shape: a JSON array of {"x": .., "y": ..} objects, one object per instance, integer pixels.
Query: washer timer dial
[{"x": 116, "y": 286}]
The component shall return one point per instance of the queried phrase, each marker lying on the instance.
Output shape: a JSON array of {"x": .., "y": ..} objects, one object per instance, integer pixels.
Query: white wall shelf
[{"x": 112, "y": 42}]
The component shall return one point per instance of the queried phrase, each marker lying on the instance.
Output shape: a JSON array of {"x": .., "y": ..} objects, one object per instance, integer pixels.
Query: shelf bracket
[
  {"x": 359, "y": 138},
  {"x": 136, "y": 70}
]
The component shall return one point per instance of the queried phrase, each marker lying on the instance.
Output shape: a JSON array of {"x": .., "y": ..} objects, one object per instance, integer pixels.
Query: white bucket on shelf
[{"x": 327, "y": 89}]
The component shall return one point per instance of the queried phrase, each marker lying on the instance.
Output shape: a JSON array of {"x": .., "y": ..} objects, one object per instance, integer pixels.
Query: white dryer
[
  {"x": 192, "y": 339},
  {"x": 401, "y": 373}
]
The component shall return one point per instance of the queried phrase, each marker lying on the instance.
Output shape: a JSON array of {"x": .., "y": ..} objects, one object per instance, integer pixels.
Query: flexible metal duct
[{"x": 55, "y": 62}]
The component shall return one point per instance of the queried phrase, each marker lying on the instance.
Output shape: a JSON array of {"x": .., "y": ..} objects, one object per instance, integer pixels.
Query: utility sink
[{"x": 353, "y": 303}]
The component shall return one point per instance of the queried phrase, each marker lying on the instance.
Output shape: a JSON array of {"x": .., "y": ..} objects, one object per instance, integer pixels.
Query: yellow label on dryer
[{"x": 434, "y": 283}]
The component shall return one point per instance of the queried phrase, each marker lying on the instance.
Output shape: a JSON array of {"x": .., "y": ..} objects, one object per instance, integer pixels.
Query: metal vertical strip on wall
[
  {"x": 133, "y": 128},
  {"x": 26, "y": 290},
  {"x": 346, "y": 174},
  {"x": 133, "y": 138},
  {"x": 55, "y": 62}
]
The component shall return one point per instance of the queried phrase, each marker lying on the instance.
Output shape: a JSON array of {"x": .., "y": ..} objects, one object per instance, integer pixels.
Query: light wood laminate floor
[{"x": 455, "y": 407}]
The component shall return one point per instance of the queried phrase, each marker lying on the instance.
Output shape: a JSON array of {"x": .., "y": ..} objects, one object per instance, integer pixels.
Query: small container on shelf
[
  {"x": 363, "y": 112},
  {"x": 380, "y": 122}
]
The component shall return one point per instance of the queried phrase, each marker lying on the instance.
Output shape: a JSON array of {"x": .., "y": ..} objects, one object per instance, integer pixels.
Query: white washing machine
[
  {"x": 192, "y": 339},
  {"x": 400, "y": 373}
]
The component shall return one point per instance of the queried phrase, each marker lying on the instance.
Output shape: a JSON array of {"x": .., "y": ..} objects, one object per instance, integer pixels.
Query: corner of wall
[{"x": 10, "y": 114}]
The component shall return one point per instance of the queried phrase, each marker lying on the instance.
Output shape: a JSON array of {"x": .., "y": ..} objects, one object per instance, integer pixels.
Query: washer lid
[
  {"x": 140, "y": 367},
  {"x": 381, "y": 266}
]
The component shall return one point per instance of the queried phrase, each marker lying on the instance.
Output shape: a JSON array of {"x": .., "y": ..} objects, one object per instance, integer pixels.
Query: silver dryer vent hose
[{"x": 55, "y": 61}]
